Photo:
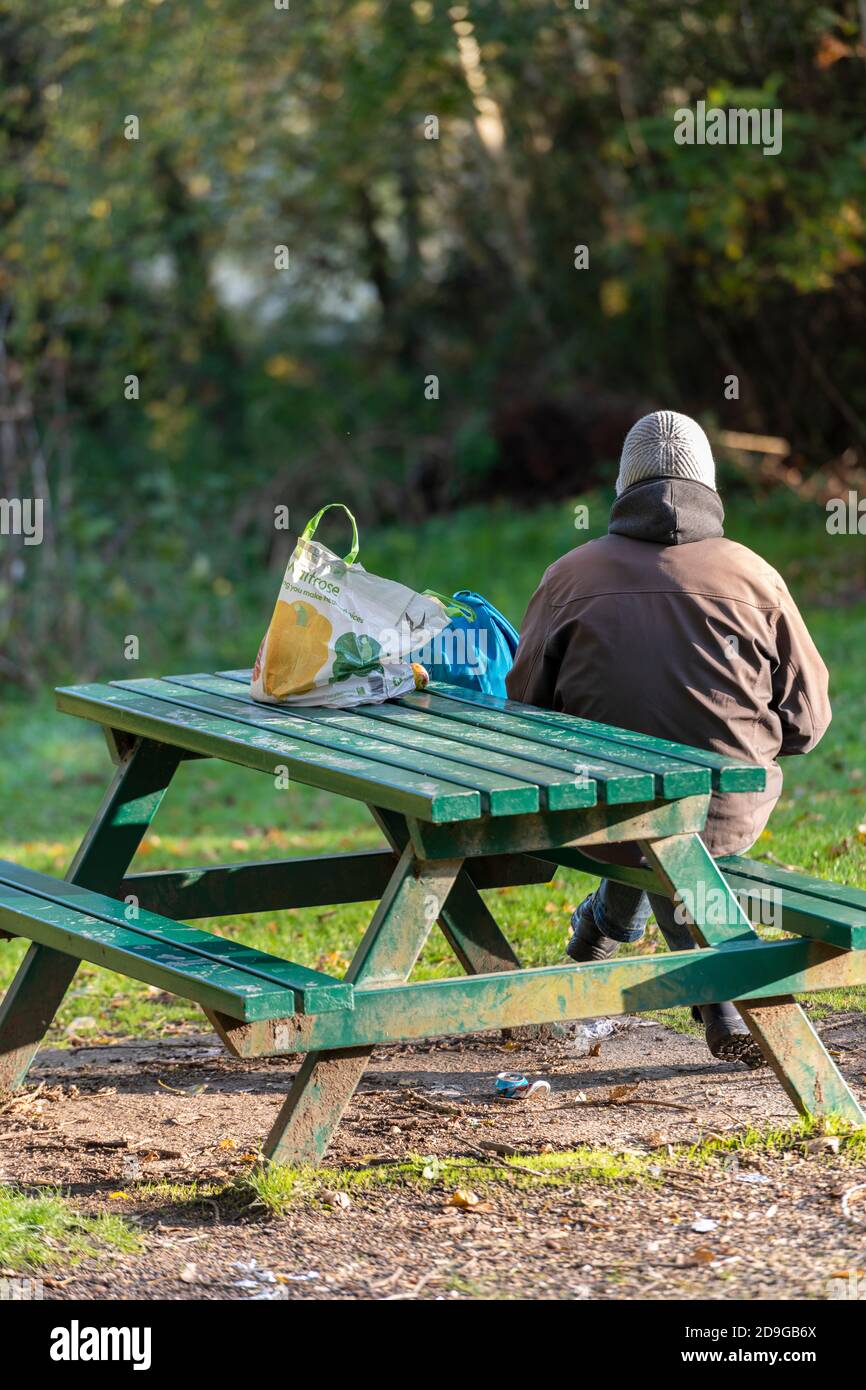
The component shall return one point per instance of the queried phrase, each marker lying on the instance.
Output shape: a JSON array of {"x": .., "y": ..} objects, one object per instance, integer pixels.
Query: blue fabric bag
[{"x": 477, "y": 648}]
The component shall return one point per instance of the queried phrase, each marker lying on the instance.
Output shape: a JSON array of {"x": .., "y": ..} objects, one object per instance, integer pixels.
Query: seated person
[{"x": 665, "y": 627}]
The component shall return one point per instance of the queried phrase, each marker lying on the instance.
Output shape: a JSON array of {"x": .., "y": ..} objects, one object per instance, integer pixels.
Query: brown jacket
[{"x": 684, "y": 635}]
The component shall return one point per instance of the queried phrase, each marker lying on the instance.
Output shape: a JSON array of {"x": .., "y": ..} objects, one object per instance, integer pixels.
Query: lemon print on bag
[{"x": 298, "y": 642}]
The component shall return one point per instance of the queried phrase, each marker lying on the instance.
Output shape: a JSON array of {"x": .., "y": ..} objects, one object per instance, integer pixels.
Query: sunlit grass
[
  {"x": 275, "y": 1188},
  {"x": 44, "y": 1230}
]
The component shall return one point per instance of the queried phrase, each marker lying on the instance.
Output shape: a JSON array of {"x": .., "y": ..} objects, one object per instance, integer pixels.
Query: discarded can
[{"x": 510, "y": 1085}]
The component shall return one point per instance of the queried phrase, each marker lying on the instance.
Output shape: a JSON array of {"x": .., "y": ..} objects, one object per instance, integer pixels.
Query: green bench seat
[
  {"x": 214, "y": 971},
  {"x": 809, "y": 906}
]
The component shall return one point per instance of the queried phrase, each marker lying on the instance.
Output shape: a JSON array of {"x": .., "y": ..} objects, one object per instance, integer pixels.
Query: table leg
[
  {"x": 120, "y": 824},
  {"x": 391, "y": 945},
  {"x": 783, "y": 1032}
]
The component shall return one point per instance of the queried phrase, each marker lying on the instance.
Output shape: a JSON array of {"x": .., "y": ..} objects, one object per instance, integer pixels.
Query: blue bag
[{"x": 477, "y": 648}]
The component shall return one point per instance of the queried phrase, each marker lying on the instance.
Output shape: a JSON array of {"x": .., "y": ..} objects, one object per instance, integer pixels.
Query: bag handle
[
  {"x": 453, "y": 606},
  {"x": 310, "y": 529}
]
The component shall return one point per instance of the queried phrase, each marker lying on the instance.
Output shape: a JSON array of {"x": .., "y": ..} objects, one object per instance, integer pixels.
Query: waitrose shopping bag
[{"x": 340, "y": 636}]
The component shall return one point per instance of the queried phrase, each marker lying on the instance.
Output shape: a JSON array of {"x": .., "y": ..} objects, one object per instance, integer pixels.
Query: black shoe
[
  {"x": 587, "y": 942},
  {"x": 728, "y": 1038}
]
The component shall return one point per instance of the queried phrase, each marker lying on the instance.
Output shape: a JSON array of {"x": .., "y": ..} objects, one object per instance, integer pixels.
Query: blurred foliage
[{"x": 307, "y": 128}]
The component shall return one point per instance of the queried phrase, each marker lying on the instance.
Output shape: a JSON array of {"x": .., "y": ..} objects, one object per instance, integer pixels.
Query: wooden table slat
[
  {"x": 671, "y": 778},
  {"x": 395, "y": 788},
  {"x": 499, "y": 795},
  {"x": 604, "y": 759},
  {"x": 516, "y": 758},
  {"x": 729, "y": 774}
]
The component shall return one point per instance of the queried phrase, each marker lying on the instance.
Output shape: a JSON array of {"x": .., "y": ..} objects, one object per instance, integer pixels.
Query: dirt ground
[{"x": 113, "y": 1124}]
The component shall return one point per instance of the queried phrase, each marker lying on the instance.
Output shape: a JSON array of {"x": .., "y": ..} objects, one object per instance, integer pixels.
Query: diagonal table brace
[{"x": 468, "y": 926}]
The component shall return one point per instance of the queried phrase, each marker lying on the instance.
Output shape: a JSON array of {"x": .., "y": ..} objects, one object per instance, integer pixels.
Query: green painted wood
[
  {"x": 343, "y": 731},
  {"x": 799, "y": 912},
  {"x": 728, "y": 774},
  {"x": 550, "y": 738},
  {"x": 613, "y": 783},
  {"x": 389, "y": 949},
  {"x": 467, "y": 924},
  {"x": 533, "y": 834},
  {"x": 121, "y": 822},
  {"x": 669, "y": 777},
  {"x": 208, "y": 959},
  {"x": 790, "y": 881},
  {"x": 398, "y": 789},
  {"x": 144, "y": 958},
  {"x": 789, "y": 1042},
  {"x": 552, "y": 774},
  {"x": 235, "y": 890},
  {"x": 748, "y": 971}
]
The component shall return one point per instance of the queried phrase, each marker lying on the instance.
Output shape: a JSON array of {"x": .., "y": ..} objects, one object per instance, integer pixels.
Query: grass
[
  {"x": 774, "y": 1140},
  {"x": 276, "y": 1187},
  {"x": 37, "y": 1232},
  {"x": 54, "y": 768}
]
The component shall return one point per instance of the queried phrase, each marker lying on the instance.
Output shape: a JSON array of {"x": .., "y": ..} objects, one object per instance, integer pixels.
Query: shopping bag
[{"x": 338, "y": 635}]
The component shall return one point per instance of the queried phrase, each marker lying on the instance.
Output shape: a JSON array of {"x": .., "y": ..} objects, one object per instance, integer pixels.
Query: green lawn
[
  {"x": 53, "y": 768},
  {"x": 42, "y": 1230}
]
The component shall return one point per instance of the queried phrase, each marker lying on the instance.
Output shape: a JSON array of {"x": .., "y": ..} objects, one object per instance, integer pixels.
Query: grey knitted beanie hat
[{"x": 666, "y": 445}]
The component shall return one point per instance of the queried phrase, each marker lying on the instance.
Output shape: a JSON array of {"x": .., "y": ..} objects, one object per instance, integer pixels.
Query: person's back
[{"x": 666, "y": 627}]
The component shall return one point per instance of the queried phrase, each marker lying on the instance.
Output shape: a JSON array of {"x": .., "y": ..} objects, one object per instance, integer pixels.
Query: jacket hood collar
[{"x": 669, "y": 511}]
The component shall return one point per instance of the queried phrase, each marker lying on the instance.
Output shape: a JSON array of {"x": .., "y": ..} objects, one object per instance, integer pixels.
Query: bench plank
[
  {"x": 38, "y": 907},
  {"x": 728, "y": 774},
  {"x": 430, "y": 798},
  {"x": 476, "y": 748},
  {"x": 790, "y": 880},
  {"x": 805, "y": 913},
  {"x": 500, "y": 794}
]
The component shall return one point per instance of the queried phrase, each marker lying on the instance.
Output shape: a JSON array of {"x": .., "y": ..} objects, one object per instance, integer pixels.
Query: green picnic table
[{"x": 470, "y": 792}]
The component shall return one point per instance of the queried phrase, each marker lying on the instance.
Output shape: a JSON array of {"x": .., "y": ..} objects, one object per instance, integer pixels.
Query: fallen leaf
[
  {"x": 464, "y": 1198},
  {"x": 619, "y": 1093},
  {"x": 830, "y": 50}
]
